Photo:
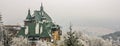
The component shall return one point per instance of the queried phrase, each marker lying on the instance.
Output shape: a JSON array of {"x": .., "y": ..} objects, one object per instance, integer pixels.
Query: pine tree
[{"x": 71, "y": 39}]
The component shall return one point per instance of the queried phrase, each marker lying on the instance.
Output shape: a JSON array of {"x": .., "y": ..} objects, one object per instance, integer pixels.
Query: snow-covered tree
[
  {"x": 93, "y": 41},
  {"x": 1, "y": 43},
  {"x": 71, "y": 39},
  {"x": 20, "y": 41}
]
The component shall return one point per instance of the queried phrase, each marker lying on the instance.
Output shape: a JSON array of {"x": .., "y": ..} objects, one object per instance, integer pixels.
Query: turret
[
  {"x": 41, "y": 8},
  {"x": 28, "y": 18},
  {"x": 56, "y": 32}
]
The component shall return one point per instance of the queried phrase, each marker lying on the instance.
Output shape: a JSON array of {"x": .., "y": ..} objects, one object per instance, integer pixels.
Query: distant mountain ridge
[{"x": 113, "y": 36}]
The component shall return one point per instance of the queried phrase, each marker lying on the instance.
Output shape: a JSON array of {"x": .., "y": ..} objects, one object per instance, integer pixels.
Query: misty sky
[{"x": 102, "y": 16}]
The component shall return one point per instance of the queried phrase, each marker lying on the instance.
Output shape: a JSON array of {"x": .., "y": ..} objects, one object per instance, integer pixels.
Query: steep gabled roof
[
  {"x": 45, "y": 31},
  {"x": 22, "y": 31},
  {"x": 39, "y": 14}
]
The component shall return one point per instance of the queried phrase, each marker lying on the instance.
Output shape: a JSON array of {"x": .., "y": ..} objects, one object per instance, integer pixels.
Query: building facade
[{"x": 39, "y": 26}]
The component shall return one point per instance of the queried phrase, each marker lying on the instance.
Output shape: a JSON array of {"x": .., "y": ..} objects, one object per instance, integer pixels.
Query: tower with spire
[{"x": 39, "y": 26}]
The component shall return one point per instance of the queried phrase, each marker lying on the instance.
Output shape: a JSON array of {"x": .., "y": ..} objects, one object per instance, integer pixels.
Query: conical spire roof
[
  {"x": 41, "y": 8},
  {"x": 29, "y": 17}
]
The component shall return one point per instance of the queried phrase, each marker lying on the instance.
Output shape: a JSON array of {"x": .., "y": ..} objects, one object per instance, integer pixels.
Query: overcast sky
[{"x": 92, "y": 15}]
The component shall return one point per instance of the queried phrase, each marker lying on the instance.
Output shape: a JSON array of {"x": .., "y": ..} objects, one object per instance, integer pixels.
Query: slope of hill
[{"x": 113, "y": 36}]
